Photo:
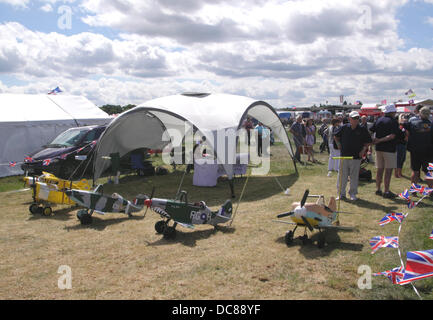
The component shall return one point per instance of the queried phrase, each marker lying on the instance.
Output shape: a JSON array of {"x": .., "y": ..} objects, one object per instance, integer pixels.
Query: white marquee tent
[
  {"x": 29, "y": 121},
  {"x": 146, "y": 125}
]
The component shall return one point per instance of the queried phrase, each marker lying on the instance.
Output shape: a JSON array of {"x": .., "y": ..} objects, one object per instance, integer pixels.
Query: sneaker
[
  {"x": 378, "y": 192},
  {"x": 353, "y": 198},
  {"x": 329, "y": 173},
  {"x": 341, "y": 198},
  {"x": 389, "y": 195}
]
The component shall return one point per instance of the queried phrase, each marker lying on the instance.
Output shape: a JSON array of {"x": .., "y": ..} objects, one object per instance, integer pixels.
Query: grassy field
[{"x": 118, "y": 257}]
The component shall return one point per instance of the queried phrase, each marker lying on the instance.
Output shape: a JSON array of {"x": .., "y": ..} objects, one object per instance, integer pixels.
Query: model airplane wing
[
  {"x": 186, "y": 225},
  {"x": 286, "y": 222}
]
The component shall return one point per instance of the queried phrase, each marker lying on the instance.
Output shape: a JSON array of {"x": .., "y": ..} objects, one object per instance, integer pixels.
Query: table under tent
[{"x": 167, "y": 121}]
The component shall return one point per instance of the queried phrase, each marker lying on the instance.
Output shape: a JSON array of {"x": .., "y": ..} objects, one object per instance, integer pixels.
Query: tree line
[{"x": 116, "y": 109}]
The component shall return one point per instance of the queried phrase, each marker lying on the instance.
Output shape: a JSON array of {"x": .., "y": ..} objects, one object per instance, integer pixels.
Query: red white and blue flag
[
  {"x": 427, "y": 191},
  {"x": 419, "y": 265},
  {"x": 46, "y": 162},
  {"x": 394, "y": 275},
  {"x": 12, "y": 164},
  {"x": 430, "y": 166},
  {"x": 417, "y": 188},
  {"x": 405, "y": 195},
  {"x": 28, "y": 159},
  {"x": 397, "y": 216},
  {"x": 411, "y": 204},
  {"x": 383, "y": 242},
  {"x": 54, "y": 91},
  {"x": 431, "y": 235}
]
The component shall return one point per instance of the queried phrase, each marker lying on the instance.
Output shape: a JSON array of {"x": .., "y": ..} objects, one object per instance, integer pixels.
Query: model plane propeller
[
  {"x": 186, "y": 214},
  {"x": 312, "y": 216}
]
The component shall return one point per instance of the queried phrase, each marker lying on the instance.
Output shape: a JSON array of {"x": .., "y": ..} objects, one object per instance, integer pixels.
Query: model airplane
[
  {"x": 313, "y": 216},
  {"x": 186, "y": 214},
  {"x": 97, "y": 202}
]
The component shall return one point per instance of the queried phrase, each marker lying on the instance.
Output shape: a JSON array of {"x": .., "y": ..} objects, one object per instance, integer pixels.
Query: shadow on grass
[
  {"x": 101, "y": 224},
  {"x": 190, "y": 239},
  {"x": 372, "y": 205},
  {"x": 166, "y": 187},
  {"x": 310, "y": 250},
  {"x": 60, "y": 214}
]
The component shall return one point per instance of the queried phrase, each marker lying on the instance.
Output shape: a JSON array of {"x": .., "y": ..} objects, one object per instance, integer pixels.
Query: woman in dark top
[{"x": 401, "y": 146}]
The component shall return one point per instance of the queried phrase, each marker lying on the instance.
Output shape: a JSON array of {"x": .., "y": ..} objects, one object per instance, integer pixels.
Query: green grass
[{"x": 11, "y": 183}]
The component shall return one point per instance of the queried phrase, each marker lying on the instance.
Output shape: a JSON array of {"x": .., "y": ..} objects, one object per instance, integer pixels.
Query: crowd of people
[{"x": 351, "y": 139}]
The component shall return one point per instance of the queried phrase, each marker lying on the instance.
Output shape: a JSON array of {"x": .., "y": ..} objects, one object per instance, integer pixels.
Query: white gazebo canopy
[{"x": 147, "y": 124}]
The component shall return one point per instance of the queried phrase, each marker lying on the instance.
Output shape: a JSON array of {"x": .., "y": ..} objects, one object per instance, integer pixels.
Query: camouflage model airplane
[
  {"x": 186, "y": 214},
  {"x": 312, "y": 216},
  {"x": 97, "y": 202}
]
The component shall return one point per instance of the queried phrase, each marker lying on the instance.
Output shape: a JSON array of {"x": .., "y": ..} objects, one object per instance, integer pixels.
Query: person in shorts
[{"x": 386, "y": 130}]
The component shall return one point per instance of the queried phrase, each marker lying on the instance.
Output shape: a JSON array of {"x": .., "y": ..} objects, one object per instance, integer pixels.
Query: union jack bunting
[
  {"x": 416, "y": 188},
  {"x": 411, "y": 204},
  {"x": 429, "y": 175},
  {"x": 427, "y": 191},
  {"x": 12, "y": 164},
  {"x": 431, "y": 235},
  {"x": 430, "y": 166},
  {"x": 28, "y": 159},
  {"x": 392, "y": 216},
  {"x": 394, "y": 275},
  {"x": 46, "y": 162},
  {"x": 419, "y": 265},
  {"x": 383, "y": 242},
  {"x": 405, "y": 195}
]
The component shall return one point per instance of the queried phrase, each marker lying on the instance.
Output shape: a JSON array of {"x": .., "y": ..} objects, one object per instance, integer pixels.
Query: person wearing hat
[
  {"x": 353, "y": 141},
  {"x": 386, "y": 130},
  {"x": 420, "y": 145}
]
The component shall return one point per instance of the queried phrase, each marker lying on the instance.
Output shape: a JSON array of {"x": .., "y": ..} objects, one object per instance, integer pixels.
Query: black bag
[{"x": 364, "y": 174}]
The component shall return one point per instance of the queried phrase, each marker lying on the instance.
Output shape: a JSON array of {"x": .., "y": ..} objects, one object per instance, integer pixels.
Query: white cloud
[
  {"x": 291, "y": 52},
  {"x": 47, "y": 8},
  {"x": 16, "y": 3},
  {"x": 430, "y": 19}
]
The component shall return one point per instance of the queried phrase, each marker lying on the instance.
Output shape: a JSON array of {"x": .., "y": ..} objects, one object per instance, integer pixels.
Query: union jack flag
[
  {"x": 28, "y": 159},
  {"x": 46, "y": 162},
  {"x": 383, "y": 242},
  {"x": 419, "y": 265},
  {"x": 12, "y": 164},
  {"x": 427, "y": 191},
  {"x": 429, "y": 175},
  {"x": 395, "y": 275},
  {"x": 411, "y": 204},
  {"x": 392, "y": 216},
  {"x": 405, "y": 195},
  {"x": 431, "y": 235},
  {"x": 430, "y": 166},
  {"x": 416, "y": 188}
]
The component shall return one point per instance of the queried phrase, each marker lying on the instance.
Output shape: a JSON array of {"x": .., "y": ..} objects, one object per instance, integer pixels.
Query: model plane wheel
[
  {"x": 288, "y": 238},
  {"x": 160, "y": 226},
  {"x": 169, "y": 233},
  {"x": 84, "y": 217},
  {"x": 321, "y": 241},
  {"x": 47, "y": 211},
  {"x": 34, "y": 208}
]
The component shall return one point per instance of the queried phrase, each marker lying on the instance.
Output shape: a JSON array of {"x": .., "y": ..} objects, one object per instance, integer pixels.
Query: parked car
[{"x": 65, "y": 153}]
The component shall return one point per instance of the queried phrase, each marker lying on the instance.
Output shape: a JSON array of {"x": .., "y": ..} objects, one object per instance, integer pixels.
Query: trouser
[{"x": 349, "y": 169}]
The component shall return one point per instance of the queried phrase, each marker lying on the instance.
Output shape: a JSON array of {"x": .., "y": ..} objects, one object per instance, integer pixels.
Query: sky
[{"x": 287, "y": 53}]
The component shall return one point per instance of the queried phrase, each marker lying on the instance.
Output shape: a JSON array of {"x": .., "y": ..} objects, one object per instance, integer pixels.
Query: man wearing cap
[
  {"x": 353, "y": 141},
  {"x": 386, "y": 131},
  {"x": 420, "y": 145}
]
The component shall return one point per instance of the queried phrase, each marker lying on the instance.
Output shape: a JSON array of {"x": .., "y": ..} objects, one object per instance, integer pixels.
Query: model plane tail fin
[{"x": 226, "y": 209}]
